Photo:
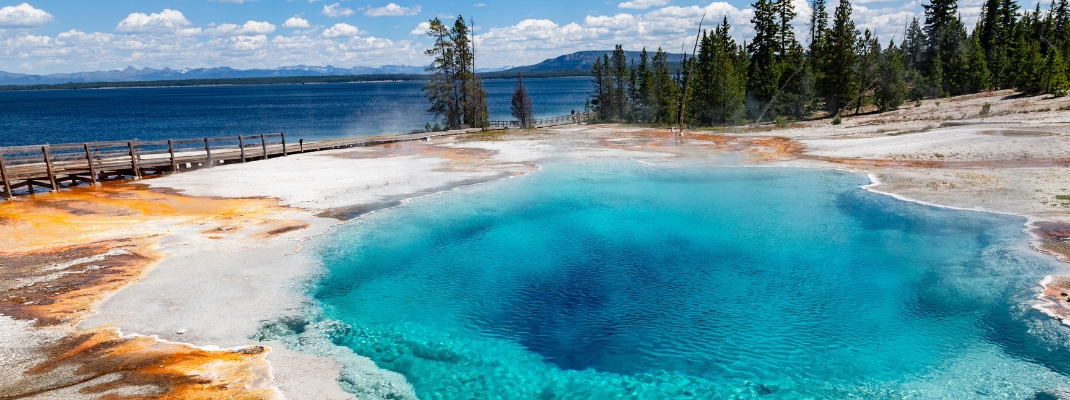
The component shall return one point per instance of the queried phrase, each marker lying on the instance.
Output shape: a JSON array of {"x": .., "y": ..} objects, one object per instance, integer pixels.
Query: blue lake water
[
  {"x": 609, "y": 279},
  {"x": 308, "y": 112}
]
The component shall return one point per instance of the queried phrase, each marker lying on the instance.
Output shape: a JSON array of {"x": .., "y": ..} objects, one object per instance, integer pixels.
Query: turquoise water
[{"x": 610, "y": 279}]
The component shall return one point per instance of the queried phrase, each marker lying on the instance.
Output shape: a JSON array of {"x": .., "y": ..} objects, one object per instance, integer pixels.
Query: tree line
[{"x": 841, "y": 69}]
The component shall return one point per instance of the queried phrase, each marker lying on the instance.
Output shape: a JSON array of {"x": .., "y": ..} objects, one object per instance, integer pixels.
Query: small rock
[{"x": 182, "y": 332}]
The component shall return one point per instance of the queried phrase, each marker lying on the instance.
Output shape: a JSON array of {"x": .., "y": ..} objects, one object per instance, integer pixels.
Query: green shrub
[
  {"x": 986, "y": 109},
  {"x": 837, "y": 120}
]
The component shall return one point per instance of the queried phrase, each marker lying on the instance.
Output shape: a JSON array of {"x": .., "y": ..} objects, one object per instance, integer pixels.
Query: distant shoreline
[{"x": 280, "y": 80}]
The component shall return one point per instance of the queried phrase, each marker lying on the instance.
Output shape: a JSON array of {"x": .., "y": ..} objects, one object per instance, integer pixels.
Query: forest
[{"x": 841, "y": 70}]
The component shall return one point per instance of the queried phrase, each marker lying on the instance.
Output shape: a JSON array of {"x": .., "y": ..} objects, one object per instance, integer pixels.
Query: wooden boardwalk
[
  {"x": 578, "y": 118},
  {"x": 51, "y": 167}
]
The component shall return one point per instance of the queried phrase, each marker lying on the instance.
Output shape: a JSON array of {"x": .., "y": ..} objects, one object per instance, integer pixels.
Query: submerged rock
[{"x": 1053, "y": 394}]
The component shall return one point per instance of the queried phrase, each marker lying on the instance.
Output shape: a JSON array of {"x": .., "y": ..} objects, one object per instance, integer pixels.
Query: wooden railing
[
  {"x": 580, "y": 118},
  {"x": 51, "y": 166}
]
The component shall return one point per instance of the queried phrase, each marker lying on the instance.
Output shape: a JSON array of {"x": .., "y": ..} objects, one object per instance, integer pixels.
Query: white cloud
[
  {"x": 340, "y": 30},
  {"x": 642, "y": 4},
  {"x": 250, "y": 28},
  {"x": 23, "y": 16},
  {"x": 336, "y": 10},
  {"x": 392, "y": 10},
  {"x": 166, "y": 21},
  {"x": 421, "y": 29},
  {"x": 296, "y": 23},
  {"x": 479, "y": 5},
  {"x": 168, "y": 39}
]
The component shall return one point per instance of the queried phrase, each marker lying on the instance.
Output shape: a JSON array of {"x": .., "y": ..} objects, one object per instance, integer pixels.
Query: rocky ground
[{"x": 162, "y": 288}]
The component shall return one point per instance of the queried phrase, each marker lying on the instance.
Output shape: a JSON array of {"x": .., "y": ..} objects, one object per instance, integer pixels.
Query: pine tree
[
  {"x": 837, "y": 85},
  {"x": 891, "y": 87},
  {"x": 868, "y": 65},
  {"x": 666, "y": 91},
  {"x": 522, "y": 108},
  {"x": 646, "y": 99},
  {"x": 619, "y": 69},
  {"x": 455, "y": 91},
  {"x": 970, "y": 69},
  {"x": 942, "y": 31},
  {"x": 470, "y": 94},
  {"x": 1056, "y": 82},
  {"x": 763, "y": 74},
  {"x": 819, "y": 20},
  {"x": 602, "y": 83},
  {"x": 720, "y": 79},
  {"x": 1028, "y": 63},
  {"x": 633, "y": 92},
  {"x": 441, "y": 91}
]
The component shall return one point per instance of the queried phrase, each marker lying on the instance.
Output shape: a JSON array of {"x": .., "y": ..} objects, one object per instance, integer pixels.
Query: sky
[{"x": 54, "y": 36}]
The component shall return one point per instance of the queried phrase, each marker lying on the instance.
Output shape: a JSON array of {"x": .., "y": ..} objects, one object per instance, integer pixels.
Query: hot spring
[{"x": 611, "y": 279}]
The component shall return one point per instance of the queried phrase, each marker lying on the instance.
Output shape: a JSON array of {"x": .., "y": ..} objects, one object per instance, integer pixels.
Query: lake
[{"x": 310, "y": 112}]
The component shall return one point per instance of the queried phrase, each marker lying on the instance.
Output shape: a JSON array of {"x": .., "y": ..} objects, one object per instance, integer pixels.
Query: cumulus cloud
[
  {"x": 642, "y": 4},
  {"x": 336, "y": 10},
  {"x": 340, "y": 30},
  {"x": 391, "y": 10},
  {"x": 421, "y": 29},
  {"x": 166, "y": 21},
  {"x": 23, "y": 16},
  {"x": 534, "y": 40},
  {"x": 250, "y": 28},
  {"x": 168, "y": 39},
  {"x": 296, "y": 23}
]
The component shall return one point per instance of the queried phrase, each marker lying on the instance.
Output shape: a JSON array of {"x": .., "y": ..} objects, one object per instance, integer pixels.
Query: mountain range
[
  {"x": 575, "y": 63},
  {"x": 582, "y": 60}
]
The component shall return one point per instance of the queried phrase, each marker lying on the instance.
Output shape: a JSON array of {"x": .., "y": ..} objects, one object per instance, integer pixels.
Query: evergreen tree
[
  {"x": 763, "y": 74},
  {"x": 441, "y": 91},
  {"x": 522, "y": 108},
  {"x": 1056, "y": 82},
  {"x": 819, "y": 20},
  {"x": 913, "y": 46},
  {"x": 601, "y": 103},
  {"x": 868, "y": 65},
  {"x": 455, "y": 91},
  {"x": 720, "y": 79},
  {"x": 666, "y": 91},
  {"x": 969, "y": 69},
  {"x": 891, "y": 89},
  {"x": 942, "y": 29},
  {"x": 470, "y": 94},
  {"x": 1028, "y": 64},
  {"x": 619, "y": 70},
  {"x": 633, "y": 92},
  {"x": 837, "y": 85},
  {"x": 646, "y": 99}
]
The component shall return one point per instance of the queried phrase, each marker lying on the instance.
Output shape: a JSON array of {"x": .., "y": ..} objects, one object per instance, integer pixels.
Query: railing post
[
  {"x": 89, "y": 160},
  {"x": 283, "y": 135},
  {"x": 133, "y": 160},
  {"x": 48, "y": 167},
  {"x": 241, "y": 147},
  {"x": 171, "y": 151},
  {"x": 301, "y": 145},
  {"x": 208, "y": 152},
  {"x": 263, "y": 145},
  {"x": 7, "y": 182}
]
